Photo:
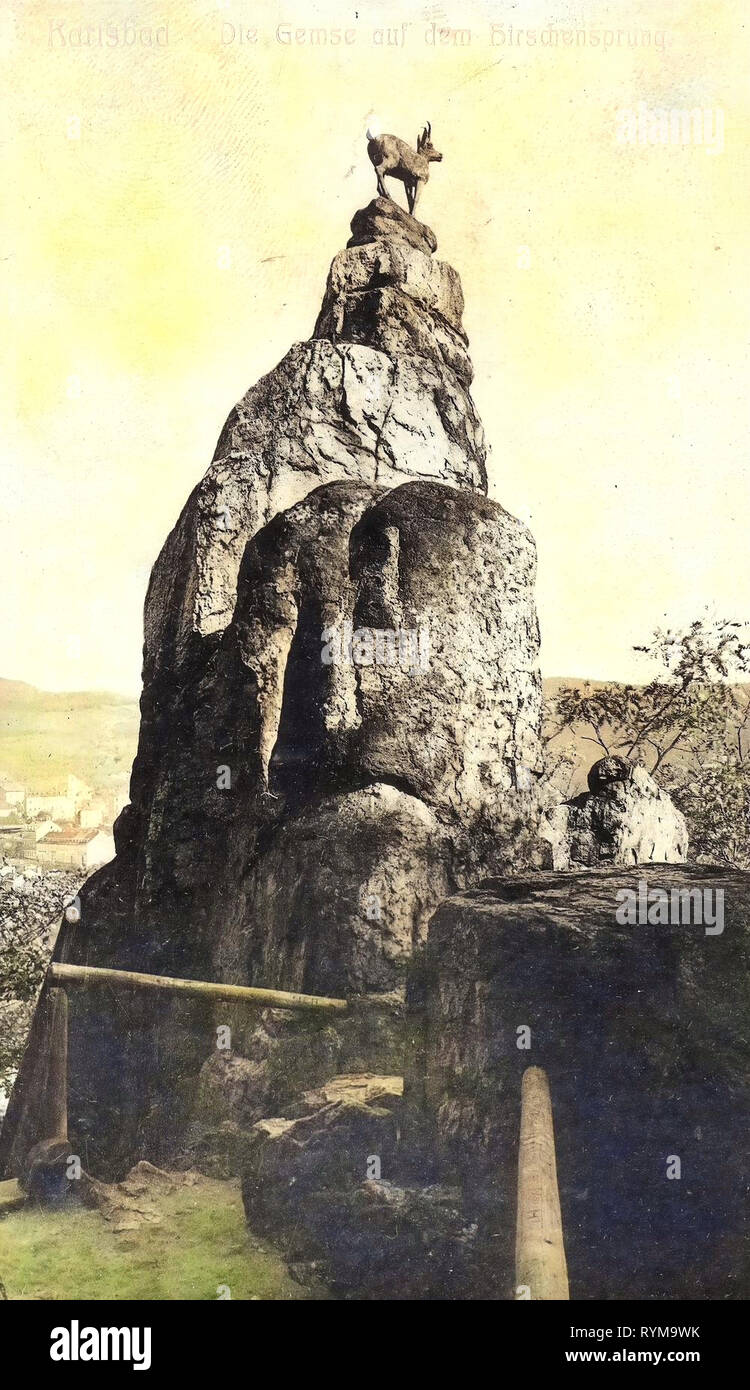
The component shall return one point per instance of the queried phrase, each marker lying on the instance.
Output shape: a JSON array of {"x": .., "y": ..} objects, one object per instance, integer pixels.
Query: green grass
[{"x": 201, "y": 1244}]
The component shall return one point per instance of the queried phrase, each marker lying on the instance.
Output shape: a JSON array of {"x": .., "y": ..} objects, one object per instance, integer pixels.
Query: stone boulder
[
  {"x": 312, "y": 803},
  {"x": 274, "y": 1062},
  {"x": 328, "y": 1187},
  {"x": 624, "y": 818},
  {"x": 362, "y": 1088},
  {"x": 417, "y": 771},
  {"x": 642, "y": 1027},
  {"x": 344, "y": 890},
  {"x": 385, "y": 220},
  {"x": 328, "y": 1150}
]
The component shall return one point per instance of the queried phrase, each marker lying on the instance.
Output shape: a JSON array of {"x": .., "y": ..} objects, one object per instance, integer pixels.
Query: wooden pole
[
  {"x": 196, "y": 989},
  {"x": 56, "y": 1099},
  {"x": 541, "y": 1270}
]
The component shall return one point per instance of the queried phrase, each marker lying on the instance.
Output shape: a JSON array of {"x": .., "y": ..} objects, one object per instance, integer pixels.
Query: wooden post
[
  {"x": 44, "y": 1170},
  {"x": 541, "y": 1270},
  {"x": 56, "y": 1100},
  {"x": 196, "y": 989}
]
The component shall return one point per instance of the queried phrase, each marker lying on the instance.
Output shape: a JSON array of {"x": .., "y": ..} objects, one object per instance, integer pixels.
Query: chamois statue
[{"x": 393, "y": 157}]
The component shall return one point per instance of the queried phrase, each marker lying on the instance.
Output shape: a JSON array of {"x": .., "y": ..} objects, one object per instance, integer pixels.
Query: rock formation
[
  {"x": 341, "y": 703},
  {"x": 641, "y": 1027},
  {"x": 624, "y": 818}
]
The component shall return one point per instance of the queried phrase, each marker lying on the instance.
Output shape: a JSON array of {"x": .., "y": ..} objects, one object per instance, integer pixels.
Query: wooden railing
[
  {"x": 541, "y": 1269},
  {"x": 66, "y": 975}
]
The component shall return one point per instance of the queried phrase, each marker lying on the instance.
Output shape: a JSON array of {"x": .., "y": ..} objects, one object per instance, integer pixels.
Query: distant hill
[
  {"x": 44, "y": 735},
  {"x": 552, "y": 685}
]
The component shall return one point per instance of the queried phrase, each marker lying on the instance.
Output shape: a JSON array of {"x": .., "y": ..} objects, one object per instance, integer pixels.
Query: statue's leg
[
  {"x": 415, "y": 194},
  {"x": 381, "y": 185}
]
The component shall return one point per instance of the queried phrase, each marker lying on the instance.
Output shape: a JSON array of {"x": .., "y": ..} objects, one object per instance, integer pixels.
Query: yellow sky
[{"x": 171, "y": 209}]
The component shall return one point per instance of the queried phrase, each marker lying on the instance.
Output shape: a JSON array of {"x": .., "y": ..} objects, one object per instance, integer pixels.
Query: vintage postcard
[{"x": 375, "y": 736}]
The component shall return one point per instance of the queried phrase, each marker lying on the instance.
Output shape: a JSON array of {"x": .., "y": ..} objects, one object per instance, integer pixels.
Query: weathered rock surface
[
  {"x": 385, "y": 220},
  {"x": 134, "y": 1202},
  {"x": 388, "y": 292},
  {"x": 295, "y": 816},
  {"x": 346, "y": 921},
  {"x": 417, "y": 776},
  {"x": 309, "y": 1180},
  {"x": 325, "y": 1150},
  {"x": 364, "y": 1088},
  {"x": 418, "y": 771},
  {"x": 643, "y": 1032},
  {"x": 379, "y": 394},
  {"x": 277, "y": 1060},
  {"x": 624, "y": 818},
  {"x": 385, "y": 262},
  {"x": 465, "y": 732}
]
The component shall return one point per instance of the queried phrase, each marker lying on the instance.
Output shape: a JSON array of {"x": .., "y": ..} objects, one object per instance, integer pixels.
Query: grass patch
[{"x": 201, "y": 1243}]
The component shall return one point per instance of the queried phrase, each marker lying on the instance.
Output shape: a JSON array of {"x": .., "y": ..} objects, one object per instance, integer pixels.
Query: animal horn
[{"x": 428, "y": 130}]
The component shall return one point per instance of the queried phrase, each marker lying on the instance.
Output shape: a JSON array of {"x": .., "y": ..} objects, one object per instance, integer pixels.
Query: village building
[
  {"x": 75, "y": 847},
  {"x": 41, "y": 826},
  {"x": 17, "y": 840},
  {"x": 54, "y": 804},
  {"x": 93, "y": 814},
  {"x": 63, "y": 804}
]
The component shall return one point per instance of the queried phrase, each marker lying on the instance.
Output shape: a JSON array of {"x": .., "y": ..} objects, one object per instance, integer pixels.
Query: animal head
[{"x": 425, "y": 146}]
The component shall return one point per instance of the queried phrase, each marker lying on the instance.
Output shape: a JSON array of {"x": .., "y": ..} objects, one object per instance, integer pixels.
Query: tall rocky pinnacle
[
  {"x": 378, "y": 394},
  {"x": 301, "y": 801}
]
